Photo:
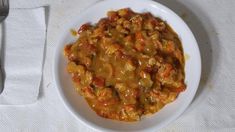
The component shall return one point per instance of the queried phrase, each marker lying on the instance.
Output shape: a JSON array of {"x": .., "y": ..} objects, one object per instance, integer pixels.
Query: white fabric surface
[
  {"x": 213, "y": 109},
  {"x": 24, "y": 35}
]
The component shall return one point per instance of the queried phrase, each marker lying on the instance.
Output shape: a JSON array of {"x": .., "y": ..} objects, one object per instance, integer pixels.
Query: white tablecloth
[{"x": 213, "y": 109}]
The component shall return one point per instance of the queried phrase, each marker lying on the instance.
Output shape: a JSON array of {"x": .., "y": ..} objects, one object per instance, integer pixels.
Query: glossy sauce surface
[{"x": 127, "y": 65}]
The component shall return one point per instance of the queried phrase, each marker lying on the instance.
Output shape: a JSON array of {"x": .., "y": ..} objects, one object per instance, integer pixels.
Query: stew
[{"x": 127, "y": 65}]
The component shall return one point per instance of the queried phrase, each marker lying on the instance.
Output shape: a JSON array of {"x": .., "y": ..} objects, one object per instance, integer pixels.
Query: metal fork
[{"x": 4, "y": 11}]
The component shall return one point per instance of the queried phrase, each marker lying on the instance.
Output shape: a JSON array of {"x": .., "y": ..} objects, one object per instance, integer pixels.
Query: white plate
[{"x": 78, "y": 106}]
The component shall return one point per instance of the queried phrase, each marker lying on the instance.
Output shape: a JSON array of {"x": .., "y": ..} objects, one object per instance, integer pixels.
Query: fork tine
[
  {"x": 1, "y": 3},
  {"x": 5, "y": 3},
  {"x": 4, "y": 9}
]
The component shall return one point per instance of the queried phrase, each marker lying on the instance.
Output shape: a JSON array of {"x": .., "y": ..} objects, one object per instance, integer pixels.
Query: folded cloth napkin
[{"x": 24, "y": 35}]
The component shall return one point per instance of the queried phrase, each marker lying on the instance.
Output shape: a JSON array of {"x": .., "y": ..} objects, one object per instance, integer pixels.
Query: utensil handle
[{"x": 2, "y": 54}]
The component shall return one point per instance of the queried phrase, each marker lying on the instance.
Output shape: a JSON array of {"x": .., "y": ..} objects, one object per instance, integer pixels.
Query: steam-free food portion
[{"x": 127, "y": 65}]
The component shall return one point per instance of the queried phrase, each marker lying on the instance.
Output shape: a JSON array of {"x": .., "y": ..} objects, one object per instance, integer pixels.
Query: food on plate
[{"x": 126, "y": 65}]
